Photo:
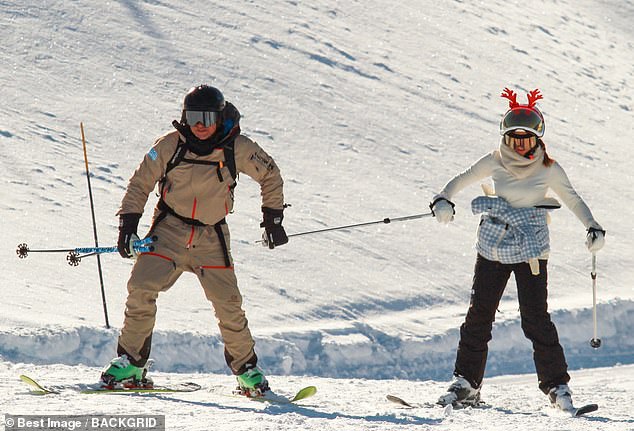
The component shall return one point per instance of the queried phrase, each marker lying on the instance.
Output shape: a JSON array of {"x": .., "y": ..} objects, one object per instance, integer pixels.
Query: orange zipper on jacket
[{"x": 191, "y": 235}]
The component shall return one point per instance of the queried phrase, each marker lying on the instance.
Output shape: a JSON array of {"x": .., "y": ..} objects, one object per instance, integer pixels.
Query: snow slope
[
  {"x": 368, "y": 108},
  {"x": 340, "y": 404}
]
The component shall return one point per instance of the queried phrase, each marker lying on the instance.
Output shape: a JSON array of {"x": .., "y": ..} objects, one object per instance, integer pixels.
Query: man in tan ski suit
[{"x": 195, "y": 167}]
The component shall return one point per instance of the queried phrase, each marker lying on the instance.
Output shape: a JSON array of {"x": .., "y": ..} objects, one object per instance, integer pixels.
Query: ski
[
  {"x": 267, "y": 396},
  {"x": 575, "y": 412},
  {"x": 304, "y": 393},
  {"x": 411, "y": 405},
  {"x": 180, "y": 387},
  {"x": 272, "y": 397},
  {"x": 402, "y": 402},
  {"x": 38, "y": 389},
  {"x": 588, "y": 408}
]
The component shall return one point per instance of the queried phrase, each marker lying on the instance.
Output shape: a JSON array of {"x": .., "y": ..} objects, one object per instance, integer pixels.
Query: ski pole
[
  {"x": 595, "y": 342},
  {"x": 141, "y": 245},
  {"x": 94, "y": 227},
  {"x": 385, "y": 220},
  {"x": 74, "y": 257}
]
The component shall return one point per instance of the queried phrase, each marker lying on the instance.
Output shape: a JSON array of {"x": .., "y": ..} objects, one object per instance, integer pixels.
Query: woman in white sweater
[{"x": 513, "y": 238}]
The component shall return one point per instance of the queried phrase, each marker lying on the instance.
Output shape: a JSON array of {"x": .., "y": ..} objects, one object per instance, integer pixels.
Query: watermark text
[{"x": 85, "y": 422}]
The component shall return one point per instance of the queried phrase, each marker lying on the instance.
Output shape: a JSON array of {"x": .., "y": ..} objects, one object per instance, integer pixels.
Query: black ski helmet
[{"x": 203, "y": 98}]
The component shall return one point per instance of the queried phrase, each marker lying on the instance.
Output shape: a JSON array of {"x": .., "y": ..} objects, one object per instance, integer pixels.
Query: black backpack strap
[
  {"x": 177, "y": 157},
  {"x": 166, "y": 209},
  {"x": 230, "y": 158},
  {"x": 208, "y": 163},
  {"x": 181, "y": 151},
  {"x": 223, "y": 242}
]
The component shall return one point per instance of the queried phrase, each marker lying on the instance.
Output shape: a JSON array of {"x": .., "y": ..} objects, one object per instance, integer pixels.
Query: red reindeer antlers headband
[{"x": 532, "y": 96}]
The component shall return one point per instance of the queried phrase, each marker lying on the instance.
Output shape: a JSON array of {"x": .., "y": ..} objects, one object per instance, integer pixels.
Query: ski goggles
[
  {"x": 206, "y": 118},
  {"x": 527, "y": 135}
]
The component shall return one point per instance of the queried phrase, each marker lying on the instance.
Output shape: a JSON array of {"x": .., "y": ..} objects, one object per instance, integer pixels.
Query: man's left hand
[{"x": 274, "y": 233}]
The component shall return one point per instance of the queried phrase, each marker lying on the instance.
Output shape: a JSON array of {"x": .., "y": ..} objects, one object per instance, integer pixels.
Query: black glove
[
  {"x": 128, "y": 224},
  {"x": 274, "y": 233}
]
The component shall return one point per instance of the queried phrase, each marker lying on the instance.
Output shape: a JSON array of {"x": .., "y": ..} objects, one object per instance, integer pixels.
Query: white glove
[
  {"x": 443, "y": 210},
  {"x": 595, "y": 240}
]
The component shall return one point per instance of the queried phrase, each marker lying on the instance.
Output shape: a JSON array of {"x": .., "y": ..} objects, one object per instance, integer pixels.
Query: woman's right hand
[
  {"x": 595, "y": 239},
  {"x": 442, "y": 209}
]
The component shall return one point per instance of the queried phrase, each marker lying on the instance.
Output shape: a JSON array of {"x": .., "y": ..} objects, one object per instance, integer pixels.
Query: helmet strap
[{"x": 530, "y": 154}]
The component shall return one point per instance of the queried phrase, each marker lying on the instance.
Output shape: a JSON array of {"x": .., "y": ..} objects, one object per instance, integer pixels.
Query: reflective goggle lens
[
  {"x": 512, "y": 134},
  {"x": 522, "y": 118},
  {"x": 206, "y": 118}
]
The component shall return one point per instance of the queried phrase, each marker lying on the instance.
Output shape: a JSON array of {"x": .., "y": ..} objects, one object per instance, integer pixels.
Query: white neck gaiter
[{"x": 518, "y": 165}]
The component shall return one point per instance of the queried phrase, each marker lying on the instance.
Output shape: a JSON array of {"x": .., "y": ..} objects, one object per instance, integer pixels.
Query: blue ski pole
[
  {"x": 75, "y": 254},
  {"x": 139, "y": 246}
]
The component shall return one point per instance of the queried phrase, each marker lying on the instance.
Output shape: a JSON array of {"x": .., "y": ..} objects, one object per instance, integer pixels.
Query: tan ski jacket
[{"x": 201, "y": 191}]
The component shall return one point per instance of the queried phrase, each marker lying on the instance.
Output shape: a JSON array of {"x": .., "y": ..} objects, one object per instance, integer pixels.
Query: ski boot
[
  {"x": 121, "y": 374},
  {"x": 252, "y": 383},
  {"x": 560, "y": 397},
  {"x": 460, "y": 394}
]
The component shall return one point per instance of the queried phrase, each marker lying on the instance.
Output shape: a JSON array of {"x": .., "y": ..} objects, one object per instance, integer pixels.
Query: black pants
[{"x": 489, "y": 281}]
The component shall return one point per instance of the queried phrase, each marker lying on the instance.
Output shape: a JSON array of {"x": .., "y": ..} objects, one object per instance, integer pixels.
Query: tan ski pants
[{"x": 197, "y": 249}]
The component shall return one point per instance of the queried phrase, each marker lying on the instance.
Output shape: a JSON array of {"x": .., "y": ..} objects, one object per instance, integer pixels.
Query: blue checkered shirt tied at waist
[{"x": 510, "y": 235}]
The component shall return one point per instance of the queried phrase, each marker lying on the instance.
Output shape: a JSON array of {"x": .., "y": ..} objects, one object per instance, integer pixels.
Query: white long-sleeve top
[{"x": 522, "y": 182}]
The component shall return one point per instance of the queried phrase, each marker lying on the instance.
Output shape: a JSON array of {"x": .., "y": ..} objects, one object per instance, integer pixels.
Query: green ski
[
  {"x": 180, "y": 387},
  {"x": 38, "y": 389},
  {"x": 272, "y": 397},
  {"x": 307, "y": 392}
]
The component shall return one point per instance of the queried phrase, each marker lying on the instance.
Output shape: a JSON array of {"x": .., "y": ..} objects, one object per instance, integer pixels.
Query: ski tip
[
  {"x": 309, "y": 389},
  {"x": 588, "y": 408},
  {"x": 36, "y": 388},
  {"x": 306, "y": 392},
  {"x": 271, "y": 396},
  {"x": 398, "y": 400},
  {"x": 26, "y": 379}
]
